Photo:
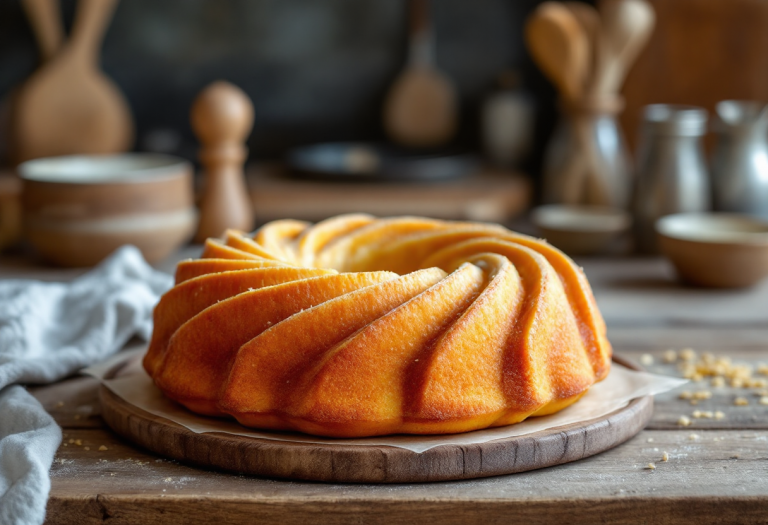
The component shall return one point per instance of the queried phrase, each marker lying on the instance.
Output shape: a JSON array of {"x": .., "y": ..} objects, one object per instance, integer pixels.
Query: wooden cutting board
[{"x": 374, "y": 464}]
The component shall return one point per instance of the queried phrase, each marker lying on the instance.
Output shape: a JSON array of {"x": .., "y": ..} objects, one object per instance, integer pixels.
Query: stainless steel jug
[
  {"x": 740, "y": 159},
  {"x": 671, "y": 170}
]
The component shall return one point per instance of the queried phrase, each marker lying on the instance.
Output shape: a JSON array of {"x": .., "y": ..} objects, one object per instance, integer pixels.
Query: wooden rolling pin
[{"x": 222, "y": 118}]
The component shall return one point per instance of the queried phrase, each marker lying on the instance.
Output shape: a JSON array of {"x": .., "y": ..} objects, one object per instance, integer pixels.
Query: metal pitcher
[
  {"x": 671, "y": 170},
  {"x": 740, "y": 159}
]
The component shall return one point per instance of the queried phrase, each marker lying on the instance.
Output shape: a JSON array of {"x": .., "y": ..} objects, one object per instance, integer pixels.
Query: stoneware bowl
[
  {"x": 580, "y": 230},
  {"x": 715, "y": 249},
  {"x": 79, "y": 209}
]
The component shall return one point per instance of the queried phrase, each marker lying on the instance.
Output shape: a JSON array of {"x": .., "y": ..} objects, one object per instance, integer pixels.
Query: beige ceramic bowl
[
  {"x": 79, "y": 209},
  {"x": 580, "y": 230},
  {"x": 715, "y": 249}
]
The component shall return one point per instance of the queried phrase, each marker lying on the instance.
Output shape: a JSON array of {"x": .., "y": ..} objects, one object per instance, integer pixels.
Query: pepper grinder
[{"x": 222, "y": 118}]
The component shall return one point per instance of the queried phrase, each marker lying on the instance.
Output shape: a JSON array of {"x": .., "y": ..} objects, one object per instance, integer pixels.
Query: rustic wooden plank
[
  {"x": 669, "y": 407},
  {"x": 717, "y": 339},
  {"x": 644, "y": 292},
  {"x": 721, "y": 477},
  {"x": 494, "y": 196},
  {"x": 73, "y": 402}
]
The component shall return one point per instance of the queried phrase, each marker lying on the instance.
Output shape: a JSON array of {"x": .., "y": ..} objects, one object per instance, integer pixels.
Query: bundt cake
[{"x": 358, "y": 326}]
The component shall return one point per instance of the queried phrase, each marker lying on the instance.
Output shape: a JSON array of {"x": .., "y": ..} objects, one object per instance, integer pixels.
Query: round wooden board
[{"x": 374, "y": 464}]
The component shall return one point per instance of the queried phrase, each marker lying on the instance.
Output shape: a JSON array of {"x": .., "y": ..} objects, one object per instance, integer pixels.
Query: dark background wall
[{"x": 316, "y": 70}]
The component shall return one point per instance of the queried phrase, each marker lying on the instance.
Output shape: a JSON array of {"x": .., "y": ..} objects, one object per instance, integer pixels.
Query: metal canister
[
  {"x": 672, "y": 172},
  {"x": 740, "y": 159}
]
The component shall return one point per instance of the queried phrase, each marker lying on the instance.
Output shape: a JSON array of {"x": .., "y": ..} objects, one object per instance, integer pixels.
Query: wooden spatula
[
  {"x": 627, "y": 26},
  {"x": 68, "y": 105},
  {"x": 589, "y": 19},
  {"x": 420, "y": 109}
]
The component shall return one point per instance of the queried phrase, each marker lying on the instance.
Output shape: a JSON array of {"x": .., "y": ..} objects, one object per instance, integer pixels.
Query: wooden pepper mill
[{"x": 222, "y": 118}]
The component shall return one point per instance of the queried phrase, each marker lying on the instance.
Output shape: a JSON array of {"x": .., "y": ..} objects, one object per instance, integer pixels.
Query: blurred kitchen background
[
  {"x": 316, "y": 71},
  {"x": 321, "y": 71}
]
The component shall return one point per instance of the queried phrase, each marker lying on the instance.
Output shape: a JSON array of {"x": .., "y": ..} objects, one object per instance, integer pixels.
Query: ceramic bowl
[
  {"x": 79, "y": 209},
  {"x": 715, "y": 249},
  {"x": 580, "y": 230}
]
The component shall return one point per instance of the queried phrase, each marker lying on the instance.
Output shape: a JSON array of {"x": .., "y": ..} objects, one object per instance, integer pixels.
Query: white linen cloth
[{"x": 47, "y": 332}]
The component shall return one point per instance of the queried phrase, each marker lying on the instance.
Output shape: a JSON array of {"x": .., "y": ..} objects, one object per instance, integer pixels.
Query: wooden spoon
[
  {"x": 420, "y": 109},
  {"x": 627, "y": 26},
  {"x": 589, "y": 19},
  {"x": 560, "y": 46},
  {"x": 69, "y": 106}
]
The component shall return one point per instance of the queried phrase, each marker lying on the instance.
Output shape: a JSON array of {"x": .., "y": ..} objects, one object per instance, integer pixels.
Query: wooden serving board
[{"x": 374, "y": 464}]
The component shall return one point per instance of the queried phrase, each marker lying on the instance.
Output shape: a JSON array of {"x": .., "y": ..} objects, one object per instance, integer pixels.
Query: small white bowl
[
  {"x": 580, "y": 230},
  {"x": 719, "y": 250}
]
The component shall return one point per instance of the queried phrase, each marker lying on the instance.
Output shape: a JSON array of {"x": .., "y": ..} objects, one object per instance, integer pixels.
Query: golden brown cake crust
[{"x": 358, "y": 326}]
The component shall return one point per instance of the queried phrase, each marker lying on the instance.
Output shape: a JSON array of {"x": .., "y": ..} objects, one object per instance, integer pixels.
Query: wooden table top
[{"x": 717, "y": 469}]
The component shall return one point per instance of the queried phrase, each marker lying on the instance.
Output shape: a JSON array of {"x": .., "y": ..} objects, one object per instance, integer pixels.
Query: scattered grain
[
  {"x": 685, "y": 394},
  {"x": 670, "y": 356},
  {"x": 687, "y": 354},
  {"x": 684, "y": 421},
  {"x": 741, "y": 401},
  {"x": 650, "y": 466},
  {"x": 719, "y": 414},
  {"x": 694, "y": 437},
  {"x": 665, "y": 456},
  {"x": 763, "y": 400},
  {"x": 646, "y": 359},
  {"x": 718, "y": 382},
  {"x": 87, "y": 448},
  {"x": 102, "y": 448}
]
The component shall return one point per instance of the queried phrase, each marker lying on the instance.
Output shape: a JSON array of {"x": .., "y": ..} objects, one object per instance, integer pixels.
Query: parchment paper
[{"x": 617, "y": 390}]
